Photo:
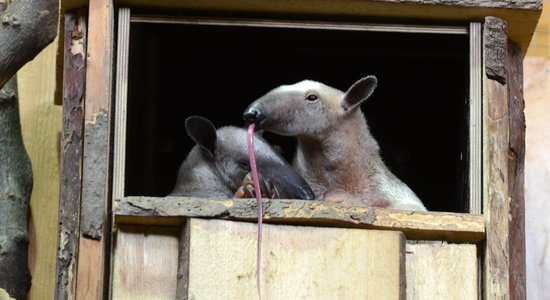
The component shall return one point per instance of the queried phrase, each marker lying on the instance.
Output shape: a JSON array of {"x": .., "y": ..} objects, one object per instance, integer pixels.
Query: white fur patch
[{"x": 302, "y": 86}]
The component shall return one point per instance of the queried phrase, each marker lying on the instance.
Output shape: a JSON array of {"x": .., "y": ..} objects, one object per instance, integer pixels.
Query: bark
[
  {"x": 74, "y": 82},
  {"x": 26, "y": 27},
  {"x": 15, "y": 191}
]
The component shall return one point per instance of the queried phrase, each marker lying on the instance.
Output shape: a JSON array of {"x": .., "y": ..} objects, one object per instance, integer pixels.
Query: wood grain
[
  {"x": 496, "y": 212},
  {"x": 74, "y": 77},
  {"x": 516, "y": 163},
  {"x": 415, "y": 225},
  {"x": 145, "y": 262},
  {"x": 442, "y": 271},
  {"x": 476, "y": 120},
  {"x": 495, "y": 44},
  {"x": 522, "y": 16},
  {"x": 121, "y": 99},
  {"x": 297, "y": 262},
  {"x": 94, "y": 245}
]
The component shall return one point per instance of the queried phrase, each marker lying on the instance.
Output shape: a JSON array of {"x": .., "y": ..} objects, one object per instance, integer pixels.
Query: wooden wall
[
  {"x": 41, "y": 124},
  {"x": 537, "y": 176},
  {"x": 537, "y": 159},
  {"x": 540, "y": 44}
]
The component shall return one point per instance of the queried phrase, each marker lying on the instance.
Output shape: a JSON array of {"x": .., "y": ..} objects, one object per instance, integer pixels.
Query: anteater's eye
[{"x": 311, "y": 98}]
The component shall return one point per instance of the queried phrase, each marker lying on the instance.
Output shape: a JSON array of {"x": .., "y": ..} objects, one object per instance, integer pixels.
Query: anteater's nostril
[{"x": 252, "y": 115}]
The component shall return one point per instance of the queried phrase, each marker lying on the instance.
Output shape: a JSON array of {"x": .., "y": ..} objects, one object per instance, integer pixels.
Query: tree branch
[
  {"x": 15, "y": 191},
  {"x": 26, "y": 27}
]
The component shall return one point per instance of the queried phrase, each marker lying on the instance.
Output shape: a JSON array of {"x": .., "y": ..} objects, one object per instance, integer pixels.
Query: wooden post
[
  {"x": 95, "y": 229},
  {"x": 516, "y": 161},
  {"x": 496, "y": 127},
  {"x": 74, "y": 78}
]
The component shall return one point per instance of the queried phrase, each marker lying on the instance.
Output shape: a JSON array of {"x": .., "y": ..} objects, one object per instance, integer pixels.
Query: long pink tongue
[{"x": 258, "y": 199}]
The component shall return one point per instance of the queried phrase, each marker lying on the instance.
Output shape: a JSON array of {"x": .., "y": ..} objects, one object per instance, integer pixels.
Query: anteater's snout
[{"x": 253, "y": 115}]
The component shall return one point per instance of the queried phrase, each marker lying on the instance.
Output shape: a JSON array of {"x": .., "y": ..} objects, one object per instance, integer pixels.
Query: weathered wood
[
  {"x": 298, "y": 262},
  {"x": 415, "y": 225},
  {"x": 145, "y": 262},
  {"x": 15, "y": 191},
  {"x": 496, "y": 146},
  {"x": 522, "y": 16},
  {"x": 523, "y": 4},
  {"x": 183, "y": 261},
  {"x": 27, "y": 27},
  {"x": 93, "y": 259},
  {"x": 495, "y": 42},
  {"x": 74, "y": 78},
  {"x": 442, "y": 271},
  {"x": 516, "y": 162}
]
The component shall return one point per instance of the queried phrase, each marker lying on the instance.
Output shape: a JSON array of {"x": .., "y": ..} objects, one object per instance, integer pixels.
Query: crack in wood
[{"x": 416, "y": 225}]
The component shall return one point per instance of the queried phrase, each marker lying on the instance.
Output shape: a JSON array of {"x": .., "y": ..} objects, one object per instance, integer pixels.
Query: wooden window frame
[
  {"x": 498, "y": 232},
  {"x": 467, "y": 226}
]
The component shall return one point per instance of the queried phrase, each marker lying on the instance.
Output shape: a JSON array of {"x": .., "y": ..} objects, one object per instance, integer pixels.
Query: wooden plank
[
  {"x": 297, "y": 262},
  {"x": 442, "y": 271},
  {"x": 145, "y": 262},
  {"x": 496, "y": 127},
  {"x": 537, "y": 175},
  {"x": 94, "y": 217},
  {"x": 475, "y": 120},
  {"x": 521, "y": 15},
  {"x": 516, "y": 163},
  {"x": 121, "y": 98},
  {"x": 41, "y": 124},
  {"x": 416, "y": 225},
  {"x": 74, "y": 78}
]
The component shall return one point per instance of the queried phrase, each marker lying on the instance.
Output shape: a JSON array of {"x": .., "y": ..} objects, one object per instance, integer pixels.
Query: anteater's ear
[
  {"x": 203, "y": 132},
  {"x": 359, "y": 92}
]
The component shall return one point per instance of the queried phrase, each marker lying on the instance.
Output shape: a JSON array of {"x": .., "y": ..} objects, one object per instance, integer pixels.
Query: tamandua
[
  {"x": 336, "y": 153},
  {"x": 217, "y": 165}
]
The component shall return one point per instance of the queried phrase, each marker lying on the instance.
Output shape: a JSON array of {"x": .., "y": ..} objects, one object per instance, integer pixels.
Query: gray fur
[
  {"x": 217, "y": 165},
  {"x": 336, "y": 154}
]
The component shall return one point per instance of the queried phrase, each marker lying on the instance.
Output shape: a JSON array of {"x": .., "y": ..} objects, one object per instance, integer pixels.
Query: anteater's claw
[{"x": 246, "y": 190}]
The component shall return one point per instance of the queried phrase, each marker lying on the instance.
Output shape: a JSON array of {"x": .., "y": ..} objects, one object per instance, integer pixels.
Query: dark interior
[{"x": 418, "y": 113}]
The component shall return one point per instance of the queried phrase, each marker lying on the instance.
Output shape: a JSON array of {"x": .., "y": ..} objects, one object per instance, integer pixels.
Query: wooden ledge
[{"x": 452, "y": 227}]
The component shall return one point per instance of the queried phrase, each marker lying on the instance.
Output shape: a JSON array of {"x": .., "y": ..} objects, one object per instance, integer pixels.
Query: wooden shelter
[{"x": 454, "y": 67}]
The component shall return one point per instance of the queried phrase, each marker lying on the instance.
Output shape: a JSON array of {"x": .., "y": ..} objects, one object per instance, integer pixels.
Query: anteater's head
[
  {"x": 226, "y": 150},
  {"x": 307, "y": 108}
]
